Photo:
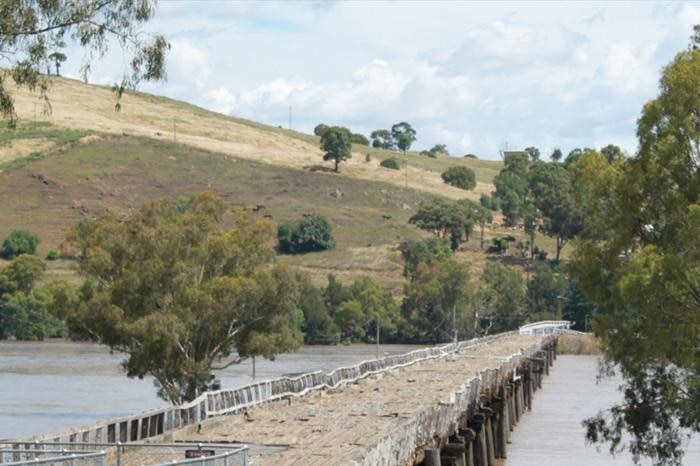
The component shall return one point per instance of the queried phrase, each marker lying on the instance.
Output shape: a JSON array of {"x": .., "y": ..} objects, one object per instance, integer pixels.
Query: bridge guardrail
[{"x": 152, "y": 424}]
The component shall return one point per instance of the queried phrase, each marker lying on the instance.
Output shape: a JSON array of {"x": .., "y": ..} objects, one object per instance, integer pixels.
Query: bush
[
  {"x": 368, "y": 158},
  {"x": 390, "y": 163},
  {"x": 428, "y": 153},
  {"x": 19, "y": 242},
  {"x": 470, "y": 156},
  {"x": 460, "y": 177},
  {"x": 485, "y": 201},
  {"x": 53, "y": 255},
  {"x": 310, "y": 234}
]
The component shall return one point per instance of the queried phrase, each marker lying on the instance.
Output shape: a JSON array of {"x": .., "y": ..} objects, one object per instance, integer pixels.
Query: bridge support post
[
  {"x": 478, "y": 423},
  {"x": 469, "y": 436},
  {"x": 432, "y": 457},
  {"x": 528, "y": 386},
  {"x": 488, "y": 427}
]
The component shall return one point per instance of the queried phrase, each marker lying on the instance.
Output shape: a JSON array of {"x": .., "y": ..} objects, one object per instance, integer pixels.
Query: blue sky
[{"x": 479, "y": 77}]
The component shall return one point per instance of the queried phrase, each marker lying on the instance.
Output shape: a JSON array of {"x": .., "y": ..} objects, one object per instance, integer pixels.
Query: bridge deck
[{"x": 336, "y": 427}]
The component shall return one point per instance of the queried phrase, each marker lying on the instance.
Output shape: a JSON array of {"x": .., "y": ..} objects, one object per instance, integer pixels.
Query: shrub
[
  {"x": 470, "y": 156},
  {"x": 310, "y": 234},
  {"x": 460, "y": 177},
  {"x": 485, "y": 201},
  {"x": 428, "y": 153},
  {"x": 368, "y": 158},
  {"x": 390, "y": 163},
  {"x": 53, "y": 255},
  {"x": 19, "y": 242}
]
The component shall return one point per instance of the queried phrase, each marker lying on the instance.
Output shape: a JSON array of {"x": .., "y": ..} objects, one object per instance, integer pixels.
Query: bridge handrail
[{"x": 154, "y": 423}]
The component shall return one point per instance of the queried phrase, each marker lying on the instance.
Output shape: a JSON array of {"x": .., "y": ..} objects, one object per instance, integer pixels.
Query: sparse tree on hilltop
[
  {"x": 336, "y": 144},
  {"x": 381, "y": 139},
  {"x": 404, "y": 135}
]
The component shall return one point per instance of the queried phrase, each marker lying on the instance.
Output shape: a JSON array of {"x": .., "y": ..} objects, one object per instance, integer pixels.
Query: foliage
[
  {"x": 309, "y": 234},
  {"x": 612, "y": 153},
  {"x": 391, "y": 162},
  {"x": 502, "y": 298},
  {"x": 404, "y": 135},
  {"x": 435, "y": 151},
  {"x": 424, "y": 251},
  {"x": 357, "y": 308},
  {"x": 460, "y": 177},
  {"x": 533, "y": 153},
  {"x": 556, "y": 155},
  {"x": 490, "y": 202},
  {"x": 23, "y": 312},
  {"x": 441, "y": 217},
  {"x": 546, "y": 293},
  {"x": 53, "y": 255},
  {"x": 178, "y": 295},
  {"x": 19, "y": 242},
  {"x": 552, "y": 193},
  {"x": 320, "y": 128},
  {"x": 318, "y": 327},
  {"x": 640, "y": 263},
  {"x": 477, "y": 214},
  {"x": 336, "y": 145},
  {"x": 32, "y": 35},
  {"x": 512, "y": 186},
  {"x": 382, "y": 139},
  {"x": 357, "y": 138},
  {"x": 437, "y": 300},
  {"x": 470, "y": 156}
]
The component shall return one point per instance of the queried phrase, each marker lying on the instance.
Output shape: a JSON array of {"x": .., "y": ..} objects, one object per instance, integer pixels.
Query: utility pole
[
  {"x": 454, "y": 325},
  {"x": 405, "y": 169},
  {"x": 377, "y": 337}
]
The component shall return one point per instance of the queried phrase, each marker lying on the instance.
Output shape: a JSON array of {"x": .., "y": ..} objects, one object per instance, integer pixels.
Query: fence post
[{"x": 119, "y": 454}]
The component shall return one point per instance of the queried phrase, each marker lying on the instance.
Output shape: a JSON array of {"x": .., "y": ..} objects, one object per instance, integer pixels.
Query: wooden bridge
[{"x": 449, "y": 405}]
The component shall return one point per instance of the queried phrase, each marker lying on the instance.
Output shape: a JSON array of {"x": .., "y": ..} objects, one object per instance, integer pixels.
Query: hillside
[
  {"x": 85, "y": 159},
  {"x": 79, "y": 106}
]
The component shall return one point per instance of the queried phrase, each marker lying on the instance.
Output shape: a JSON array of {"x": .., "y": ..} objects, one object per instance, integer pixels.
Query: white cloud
[
  {"x": 628, "y": 68},
  {"x": 472, "y": 75},
  {"x": 223, "y": 100},
  {"x": 190, "y": 62}
]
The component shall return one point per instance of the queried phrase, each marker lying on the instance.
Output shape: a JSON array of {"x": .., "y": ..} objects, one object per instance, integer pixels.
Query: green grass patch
[
  {"x": 21, "y": 161},
  {"x": 38, "y": 130}
]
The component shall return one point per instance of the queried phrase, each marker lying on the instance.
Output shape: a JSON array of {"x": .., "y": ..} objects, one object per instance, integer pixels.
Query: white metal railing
[
  {"x": 545, "y": 327},
  {"x": 157, "y": 422}
]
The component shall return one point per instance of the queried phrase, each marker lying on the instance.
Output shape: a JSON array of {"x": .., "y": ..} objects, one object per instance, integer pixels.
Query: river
[
  {"x": 552, "y": 433},
  {"x": 53, "y": 386}
]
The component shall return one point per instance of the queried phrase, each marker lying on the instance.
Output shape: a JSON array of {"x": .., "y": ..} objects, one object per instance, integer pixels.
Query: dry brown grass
[
  {"x": 87, "y": 107},
  {"x": 578, "y": 344}
]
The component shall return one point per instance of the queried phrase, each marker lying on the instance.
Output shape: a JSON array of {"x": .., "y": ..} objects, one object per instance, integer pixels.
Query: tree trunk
[{"x": 336, "y": 165}]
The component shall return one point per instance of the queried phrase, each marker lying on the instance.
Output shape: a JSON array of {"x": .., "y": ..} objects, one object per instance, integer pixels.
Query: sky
[{"x": 478, "y": 77}]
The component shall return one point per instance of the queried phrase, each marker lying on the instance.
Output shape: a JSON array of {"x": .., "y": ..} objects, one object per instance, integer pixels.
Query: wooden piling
[
  {"x": 469, "y": 436},
  {"x": 432, "y": 457}
]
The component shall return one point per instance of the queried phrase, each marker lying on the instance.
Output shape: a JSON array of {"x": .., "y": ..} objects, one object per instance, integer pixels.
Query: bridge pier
[{"x": 484, "y": 431}]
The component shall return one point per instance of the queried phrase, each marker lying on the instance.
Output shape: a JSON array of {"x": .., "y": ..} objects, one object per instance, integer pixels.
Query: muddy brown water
[
  {"x": 552, "y": 434},
  {"x": 48, "y": 387}
]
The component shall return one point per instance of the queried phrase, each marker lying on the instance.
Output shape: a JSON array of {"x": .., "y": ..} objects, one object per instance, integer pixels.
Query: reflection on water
[
  {"x": 552, "y": 433},
  {"x": 53, "y": 386}
]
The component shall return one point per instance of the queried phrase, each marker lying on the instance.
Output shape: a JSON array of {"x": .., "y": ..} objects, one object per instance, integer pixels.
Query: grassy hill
[
  {"x": 85, "y": 159},
  {"x": 83, "y": 107}
]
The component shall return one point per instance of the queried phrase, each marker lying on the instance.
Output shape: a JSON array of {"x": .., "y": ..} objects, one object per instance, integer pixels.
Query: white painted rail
[{"x": 545, "y": 327}]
